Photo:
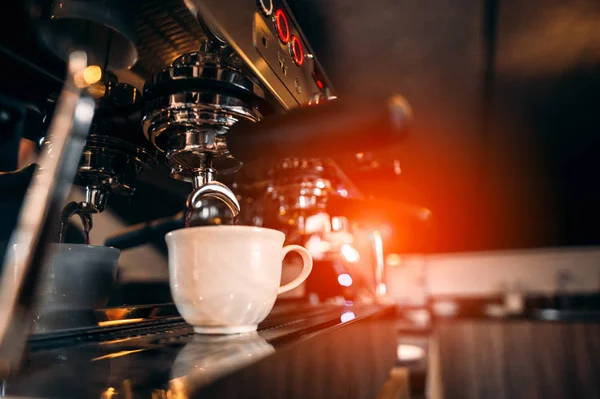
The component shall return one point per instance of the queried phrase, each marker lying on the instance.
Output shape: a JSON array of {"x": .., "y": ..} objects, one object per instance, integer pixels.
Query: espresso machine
[{"x": 234, "y": 103}]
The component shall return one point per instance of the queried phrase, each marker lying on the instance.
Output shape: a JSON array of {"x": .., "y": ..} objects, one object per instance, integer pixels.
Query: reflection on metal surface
[
  {"x": 191, "y": 105},
  {"x": 393, "y": 260},
  {"x": 380, "y": 287},
  {"x": 155, "y": 363},
  {"x": 70, "y": 210},
  {"x": 196, "y": 204},
  {"x": 345, "y": 280},
  {"x": 115, "y": 341},
  {"x": 408, "y": 353},
  {"x": 108, "y": 393},
  {"x": 71, "y": 321},
  {"x": 204, "y": 359},
  {"x": 105, "y": 30},
  {"x": 350, "y": 253},
  {"x": 87, "y": 77},
  {"x": 117, "y": 354},
  {"x": 347, "y": 316},
  {"x": 118, "y": 322},
  {"x": 118, "y": 313}
]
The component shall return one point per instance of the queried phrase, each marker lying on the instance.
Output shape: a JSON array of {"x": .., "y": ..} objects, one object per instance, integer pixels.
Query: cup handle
[{"x": 306, "y": 267}]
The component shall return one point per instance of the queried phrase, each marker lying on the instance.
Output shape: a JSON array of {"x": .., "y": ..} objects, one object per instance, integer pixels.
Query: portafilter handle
[{"x": 341, "y": 126}]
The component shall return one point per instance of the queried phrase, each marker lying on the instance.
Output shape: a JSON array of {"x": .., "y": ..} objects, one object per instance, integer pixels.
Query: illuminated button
[
  {"x": 297, "y": 51},
  {"x": 266, "y": 6},
  {"x": 283, "y": 29}
]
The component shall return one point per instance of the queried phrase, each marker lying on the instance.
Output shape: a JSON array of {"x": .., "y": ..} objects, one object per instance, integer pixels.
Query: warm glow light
[
  {"x": 117, "y": 354},
  {"x": 115, "y": 341},
  {"x": 108, "y": 394},
  {"x": 88, "y": 76},
  {"x": 118, "y": 313},
  {"x": 345, "y": 280},
  {"x": 338, "y": 223},
  {"x": 317, "y": 223},
  {"x": 118, "y": 322},
  {"x": 92, "y": 74},
  {"x": 408, "y": 353},
  {"x": 97, "y": 90},
  {"x": 393, "y": 260},
  {"x": 317, "y": 247},
  {"x": 350, "y": 253},
  {"x": 347, "y": 316}
]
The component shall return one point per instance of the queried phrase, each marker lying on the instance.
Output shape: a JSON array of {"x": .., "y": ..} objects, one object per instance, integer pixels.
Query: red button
[
  {"x": 283, "y": 29},
  {"x": 297, "y": 51}
]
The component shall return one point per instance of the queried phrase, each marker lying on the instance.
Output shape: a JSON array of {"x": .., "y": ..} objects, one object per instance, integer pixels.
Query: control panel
[
  {"x": 278, "y": 41},
  {"x": 266, "y": 35}
]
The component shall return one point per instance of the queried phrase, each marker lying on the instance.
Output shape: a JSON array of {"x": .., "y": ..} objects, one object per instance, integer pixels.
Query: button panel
[
  {"x": 280, "y": 44},
  {"x": 266, "y": 6}
]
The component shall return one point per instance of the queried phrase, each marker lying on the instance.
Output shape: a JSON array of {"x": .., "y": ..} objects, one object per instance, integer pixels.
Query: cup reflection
[{"x": 206, "y": 358}]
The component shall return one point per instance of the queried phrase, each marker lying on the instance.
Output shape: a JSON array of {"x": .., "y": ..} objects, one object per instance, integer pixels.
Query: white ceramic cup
[{"x": 225, "y": 279}]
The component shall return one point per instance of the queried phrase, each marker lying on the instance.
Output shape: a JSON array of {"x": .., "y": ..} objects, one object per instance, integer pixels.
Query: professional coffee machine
[
  {"x": 217, "y": 74},
  {"x": 235, "y": 103}
]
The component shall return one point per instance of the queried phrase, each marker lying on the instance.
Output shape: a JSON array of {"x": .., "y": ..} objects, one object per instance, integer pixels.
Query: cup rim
[
  {"x": 229, "y": 230},
  {"x": 85, "y": 248}
]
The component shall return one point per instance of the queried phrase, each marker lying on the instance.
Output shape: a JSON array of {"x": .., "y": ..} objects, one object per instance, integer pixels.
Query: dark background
[{"x": 505, "y": 147}]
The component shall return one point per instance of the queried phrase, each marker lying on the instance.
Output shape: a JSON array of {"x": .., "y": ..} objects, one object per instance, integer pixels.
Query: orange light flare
[{"x": 485, "y": 190}]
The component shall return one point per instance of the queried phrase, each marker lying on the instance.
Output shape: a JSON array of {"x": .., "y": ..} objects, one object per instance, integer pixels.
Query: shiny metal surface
[
  {"x": 122, "y": 94},
  {"x": 108, "y": 165},
  {"x": 211, "y": 62},
  {"x": 111, "y": 164},
  {"x": 84, "y": 212},
  {"x": 201, "y": 361},
  {"x": 191, "y": 105},
  {"x": 208, "y": 211},
  {"x": 96, "y": 198},
  {"x": 298, "y": 185},
  {"x": 191, "y": 150},
  {"x": 262, "y": 52},
  {"x": 105, "y": 30},
  {"x": 69, "y": 294},
  {"x": 160, "y": 357},
  {"x": 302, "y": 186},
  {"x": 166, "y": 29},
  {"x": 51, "y": 182},
  {"x": 211, "y": 190}
]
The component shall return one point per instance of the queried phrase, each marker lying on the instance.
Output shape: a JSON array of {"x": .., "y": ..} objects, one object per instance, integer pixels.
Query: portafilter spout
[{"x": 211, "y": 202}]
